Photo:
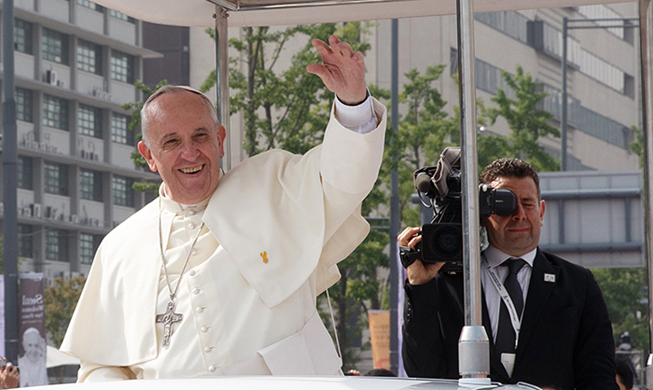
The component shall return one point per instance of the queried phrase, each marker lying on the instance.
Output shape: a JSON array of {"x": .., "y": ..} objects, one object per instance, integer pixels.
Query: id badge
[{"x": 508, "y": 361}]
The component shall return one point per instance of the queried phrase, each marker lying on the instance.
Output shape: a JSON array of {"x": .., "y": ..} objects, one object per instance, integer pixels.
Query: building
[{"x": 75, "y": 65}]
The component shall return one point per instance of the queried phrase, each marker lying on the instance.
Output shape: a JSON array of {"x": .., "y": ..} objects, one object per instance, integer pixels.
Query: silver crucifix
[{"x": 168, "y": 319}]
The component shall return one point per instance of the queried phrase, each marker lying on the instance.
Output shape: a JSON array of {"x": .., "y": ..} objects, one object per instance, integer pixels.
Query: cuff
[{"x": 359, "y": 118}]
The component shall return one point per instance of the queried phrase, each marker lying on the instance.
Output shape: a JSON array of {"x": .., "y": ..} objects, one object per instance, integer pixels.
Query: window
[
  {"x": 23, "y": 105},
  {"x": 54, "y": 46},
  {"x": 89, "y": 57},
  {"x": 25, "y": 241},
  {"x": 121, "y": 16},
  {"x": 91, "y": 5},
  {"x": 23, "y": 36},
  {"x": 90, "y": 185},
  {"x": 122, "y": 67},
  {"x": 89, "y": 121},
  {"x": 55, "y": 112},
  {"x": 24, "y": 172},
  {"x": 55, "y": 178},
  {"x": 56, "y": 245},
  {"x": 120, "y": 131},
  {"x": 87, "y": 248},
  {"x": 123, "y": 195}
]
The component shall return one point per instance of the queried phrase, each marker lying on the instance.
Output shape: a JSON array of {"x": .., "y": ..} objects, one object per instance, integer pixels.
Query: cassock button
[
  {"x": 196, "y": 291},
  {"x": 192, "y": 226},
  {"x": 211, "y": 368},
  {"x": 191, "y": 212},
  {"x": 193, "y": 273},
  {"x": 207, "y": 349},
  {"x": 199, "y": 309},
  {"x": 204, "y": 329}
]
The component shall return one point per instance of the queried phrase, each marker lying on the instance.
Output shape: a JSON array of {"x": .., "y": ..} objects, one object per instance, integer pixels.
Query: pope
[{"x": 219, "y": 275}]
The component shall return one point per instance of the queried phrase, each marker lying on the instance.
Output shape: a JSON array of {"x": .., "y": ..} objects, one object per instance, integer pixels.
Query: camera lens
[
  {"x": 443, "y": 242},
  {"x": 448, "y": 241}
]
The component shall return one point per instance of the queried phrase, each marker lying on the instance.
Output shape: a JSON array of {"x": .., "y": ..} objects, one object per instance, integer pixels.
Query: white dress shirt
[{"x": 493, "y": 257}]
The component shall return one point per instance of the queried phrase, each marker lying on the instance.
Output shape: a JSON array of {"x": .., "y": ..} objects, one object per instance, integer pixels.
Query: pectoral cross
[{"x": 168, "y": 319}]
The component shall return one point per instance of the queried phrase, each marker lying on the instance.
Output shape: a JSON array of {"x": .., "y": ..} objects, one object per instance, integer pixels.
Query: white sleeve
[
  {"x": 359, "y": 118},
  {"x": 89, "y": 372}
]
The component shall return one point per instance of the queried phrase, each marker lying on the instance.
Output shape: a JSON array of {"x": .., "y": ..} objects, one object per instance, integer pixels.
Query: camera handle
[{"x": 408, "y": 255}]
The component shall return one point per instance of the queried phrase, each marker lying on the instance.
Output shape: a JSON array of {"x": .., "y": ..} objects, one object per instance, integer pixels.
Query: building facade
[{"x": 75, "y": 66}]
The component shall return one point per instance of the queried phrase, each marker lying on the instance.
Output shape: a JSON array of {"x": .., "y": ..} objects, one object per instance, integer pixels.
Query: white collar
[
  {"x": 176, "y": 207},
  {"x": 495, "y": 257}
]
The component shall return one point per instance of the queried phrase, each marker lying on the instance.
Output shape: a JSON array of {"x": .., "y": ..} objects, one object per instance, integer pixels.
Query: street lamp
[{"x": 564, "y": 103}]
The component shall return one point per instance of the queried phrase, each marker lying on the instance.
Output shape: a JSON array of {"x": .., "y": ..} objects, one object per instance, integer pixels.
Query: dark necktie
[{"x": 506, "y": 333}]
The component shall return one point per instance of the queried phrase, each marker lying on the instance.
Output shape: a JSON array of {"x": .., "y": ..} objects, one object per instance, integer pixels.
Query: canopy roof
[{"x": 290, "y": 12}]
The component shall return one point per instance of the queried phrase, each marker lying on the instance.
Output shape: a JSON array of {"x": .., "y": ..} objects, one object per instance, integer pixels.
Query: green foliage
[
  {"x": 60, "y": 301},
  {"x": 287, "y": 108},
  {"x": 625, "y": 293},
  {"x": 527, "y": 124},
  {"x": 424, "y": 132},
  {"x": 637, "y": 145}
]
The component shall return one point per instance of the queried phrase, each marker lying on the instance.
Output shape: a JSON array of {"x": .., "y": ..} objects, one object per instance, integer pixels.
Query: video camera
[{"x": 442, "y": 239}]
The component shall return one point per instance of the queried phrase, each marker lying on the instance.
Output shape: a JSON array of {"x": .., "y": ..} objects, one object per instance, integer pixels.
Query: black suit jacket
[{"x": 566, "y": 336}]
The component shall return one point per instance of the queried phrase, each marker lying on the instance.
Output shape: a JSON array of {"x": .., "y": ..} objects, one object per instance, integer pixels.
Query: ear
[
  {"x": 147, "y": 154},
  {"x": 222, "y": 134},
  {"x": 542, "y": 209}
]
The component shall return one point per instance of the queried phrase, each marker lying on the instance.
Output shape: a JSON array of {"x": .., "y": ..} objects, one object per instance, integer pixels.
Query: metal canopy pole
[
  {"x": 646, "y": 52},
  {"x": 222, "y": 75},
  {"x": 10, "y": 183},
  {"x": 473, "y": 346}
]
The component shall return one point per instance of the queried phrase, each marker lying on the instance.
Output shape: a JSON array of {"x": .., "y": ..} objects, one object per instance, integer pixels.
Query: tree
[
  {"x": 625, "y": 293},
  {"x": 527, "y": 124},
  {"x": 424, "y": 132},
  {"x": 60, "y": 302}
]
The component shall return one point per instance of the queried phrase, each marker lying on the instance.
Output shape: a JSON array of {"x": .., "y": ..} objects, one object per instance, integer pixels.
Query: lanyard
[{"x": 503, "y": 293}]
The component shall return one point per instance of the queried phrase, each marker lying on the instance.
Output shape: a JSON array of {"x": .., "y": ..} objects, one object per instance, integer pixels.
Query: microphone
[{"x": 423, "y": 182}]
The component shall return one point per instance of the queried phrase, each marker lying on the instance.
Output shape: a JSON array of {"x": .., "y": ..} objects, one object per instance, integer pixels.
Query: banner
[
  {"x": 31, "y": 330},
  {"x": 380, "y": 337}
]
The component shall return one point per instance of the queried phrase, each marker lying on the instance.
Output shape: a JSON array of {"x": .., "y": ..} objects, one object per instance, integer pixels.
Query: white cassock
[{"x": 275, "y": 228}]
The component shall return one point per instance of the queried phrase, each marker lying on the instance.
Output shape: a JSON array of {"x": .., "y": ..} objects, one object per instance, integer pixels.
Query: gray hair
[{"x": 173, "y": 89}]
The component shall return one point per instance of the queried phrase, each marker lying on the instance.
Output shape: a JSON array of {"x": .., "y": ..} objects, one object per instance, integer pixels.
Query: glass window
[
  {"x": 54, "y": 46},
  {"x": 24, "y": 172},
  {"x": 121, "y": 16},
  {"x": 23, "y": 36},
  {"x": 89, "y": 57},
  {"x": 23, "y": 105},
  {"x": 87, "y": 248},
  {"x": 122, "y": 67},
  {"x": 89, "y": 121},
  {"x": 55, "y": 112},
  {"x": 91, "y": 5},
  {"x": 55, "y": 178},
  {"x": 25, "y": 241},
  {"x": 90, "y": 185},
  {"x": 120, "y": 131},
  {"x": 123, "y": 195},
  {"x": 56, "y": 245}
]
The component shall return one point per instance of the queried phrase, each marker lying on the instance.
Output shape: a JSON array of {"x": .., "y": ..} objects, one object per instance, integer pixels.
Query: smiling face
[
  {"x": 518, "y": 233},
  {"x": 32, "y": 345},
  {"x": 183, "y": 145}
]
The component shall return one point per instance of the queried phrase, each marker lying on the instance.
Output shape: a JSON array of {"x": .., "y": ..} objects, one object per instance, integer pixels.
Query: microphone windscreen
[{"x": 423, "y": 182}]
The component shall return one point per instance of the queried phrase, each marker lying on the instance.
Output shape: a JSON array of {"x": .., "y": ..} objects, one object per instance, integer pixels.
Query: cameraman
[{"x": 564, "y": 333}]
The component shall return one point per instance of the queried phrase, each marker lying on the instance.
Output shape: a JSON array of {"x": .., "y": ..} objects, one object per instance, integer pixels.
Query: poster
[
  {"x": 31, "y": 331},
  {"x": 380, "y": 337}
]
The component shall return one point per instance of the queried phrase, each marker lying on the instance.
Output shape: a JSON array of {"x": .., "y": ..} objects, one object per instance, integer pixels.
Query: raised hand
[
  {"x": 9, "y": 376},
  {"x": 342, "y": 71}
]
